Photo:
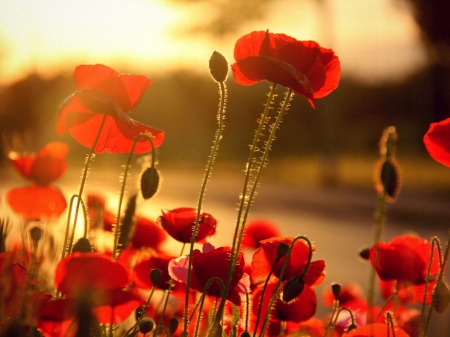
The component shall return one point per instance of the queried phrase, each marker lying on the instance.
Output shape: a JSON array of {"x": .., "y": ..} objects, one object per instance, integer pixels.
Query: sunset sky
[{"x": 375, "y": 39}]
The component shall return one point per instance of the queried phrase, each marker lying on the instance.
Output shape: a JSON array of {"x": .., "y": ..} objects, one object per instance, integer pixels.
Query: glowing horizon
[{"x": 53, "y": 36}]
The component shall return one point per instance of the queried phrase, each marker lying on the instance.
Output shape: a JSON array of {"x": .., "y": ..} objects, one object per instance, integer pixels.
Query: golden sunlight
[
  {"x": 48, "y": 35},
  {"x": 375, "y": 39}
]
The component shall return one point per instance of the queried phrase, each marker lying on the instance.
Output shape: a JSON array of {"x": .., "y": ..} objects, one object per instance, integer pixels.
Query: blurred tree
[{"x": 433, "y": 18}]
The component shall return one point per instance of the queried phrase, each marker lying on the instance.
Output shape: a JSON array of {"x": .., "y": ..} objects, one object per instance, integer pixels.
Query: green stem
[
  {"x": 122, "y": 190},
  {"x": 212, "y": 157},
  {"x": 263, "y": 291},
  {"x": 248, "y": 203},
  {"x": 378, "y": 231},
  {"x": 83, "y": 181},
  {"x": 336, "y": 318},
  {"x": 333, "y": 313},
  {"x": 280, "y": 278},
  {"x": 253, "y": 149},
  {"x": 440, "y": 277}
]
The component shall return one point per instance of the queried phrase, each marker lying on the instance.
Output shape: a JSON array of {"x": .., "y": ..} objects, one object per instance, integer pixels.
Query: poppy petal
[
  {"x": 87, "y": 76},
  {"x": 115, "y": 306},
  {"x": 89, "y": 271},
  {"x": 437, "y": 141},
  {"x": 35, "y": 202}
]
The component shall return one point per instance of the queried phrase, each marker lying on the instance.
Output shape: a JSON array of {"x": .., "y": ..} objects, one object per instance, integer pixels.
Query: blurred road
[{"x": 339, "y": 221}]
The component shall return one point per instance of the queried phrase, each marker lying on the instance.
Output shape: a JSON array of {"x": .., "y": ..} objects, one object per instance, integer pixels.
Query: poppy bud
[
  {"x": 441, "y": 298},
  {"x": 173, "y": 325},
  {"x": 149, "y": 182},
  {"x": 82, "y": 245},
  {"x": 387, "y": 178},
  {"x": 36, "y": 234},
  {"x": 218, "y": 67},
  {"x": 155, "y": 276},
  {"x": 139, "y": 313},
  {"x": 146, "y": 325},
  {"x": 293, "y": 288},
  {"x": 336, "y": 288},
  {"x": 351, "y": 327},
  {"x": 282, "y": 250},
  {"x": 387, "y": 173},
  {"x": 364, "y": 253}
]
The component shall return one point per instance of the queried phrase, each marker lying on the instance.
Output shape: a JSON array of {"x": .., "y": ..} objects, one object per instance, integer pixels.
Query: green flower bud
[{"x": 218, "y": 67}]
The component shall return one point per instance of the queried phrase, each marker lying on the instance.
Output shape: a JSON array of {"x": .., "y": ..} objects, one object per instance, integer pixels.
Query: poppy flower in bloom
[
  {"x": 208, "y": 264},
  {"x": 42, "y": 168},
  {"x": 257, "y": 230},
  {"x": 299, "y": 310},
  {"x": 147, "y": 234},
  {"x": 101, "y": 91},
  {"x": 405, "y": 259},
  {"x": 437, "y": 141},
  {"x": 142, "y": 270},
  {"x": 375, "y": 330},
  {"x": 303, "y": 66},
  {"x": 179, "y": 223},
  {"x": 265, "y": 258},
  {"x": 98, "y": 279}
]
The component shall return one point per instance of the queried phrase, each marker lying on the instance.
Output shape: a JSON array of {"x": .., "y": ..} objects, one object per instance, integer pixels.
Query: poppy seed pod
[
  {"x": 218, "y": 67},
  {"x": 149, "y": 182}
]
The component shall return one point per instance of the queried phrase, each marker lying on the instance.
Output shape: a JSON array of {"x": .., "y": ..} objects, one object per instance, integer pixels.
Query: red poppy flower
[
  {"x": 208, "y": 264},
  {"x": 375, "y": 330},
  {"x": 300, "y": 309},
  {"x": 42, "y": 167},
  {"x": 437, "y": 141},
  {"x": 107, "y": 306},
  {"x": 265, "y": 257},
  {"x": 81, "y": 272},
  {"x": 141, "y": 272},
  {"x": 303, "y": 66},
  {"x": 179, "y": 223},
  {"x": 147, "y": 234},
  {"x": 102, "y": 91},
  {"x": 35, "y": 202},
  {"x": 405, "y": 259},
  {"x": 257, "y": 230}
]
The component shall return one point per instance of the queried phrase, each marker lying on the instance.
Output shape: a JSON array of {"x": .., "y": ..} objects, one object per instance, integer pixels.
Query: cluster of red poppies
[{"x": 141, "y": 288}]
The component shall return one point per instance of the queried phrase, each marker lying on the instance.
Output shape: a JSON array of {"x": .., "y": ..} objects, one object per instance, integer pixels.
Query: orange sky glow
[{"x": 376, "y": 40}]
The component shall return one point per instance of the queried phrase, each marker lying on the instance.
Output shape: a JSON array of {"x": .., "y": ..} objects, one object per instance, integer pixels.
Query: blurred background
[
  {"x": 395, "y": 58},
  {"x": 395, "y": 71}
]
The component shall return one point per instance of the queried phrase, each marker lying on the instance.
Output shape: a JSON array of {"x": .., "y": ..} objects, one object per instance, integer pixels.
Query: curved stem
[
  {"x": 263, "y": 291},
  {"x": 280, "y": 278},
  {"x": 336, "y": 318},
  {"x": 333, "y": 313},
  {"x": 83, "y": 179},
  {"x": 122, "y": 190},
  {"x": 212, "y": 157},
  {"x": 441, "y": 275}
]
